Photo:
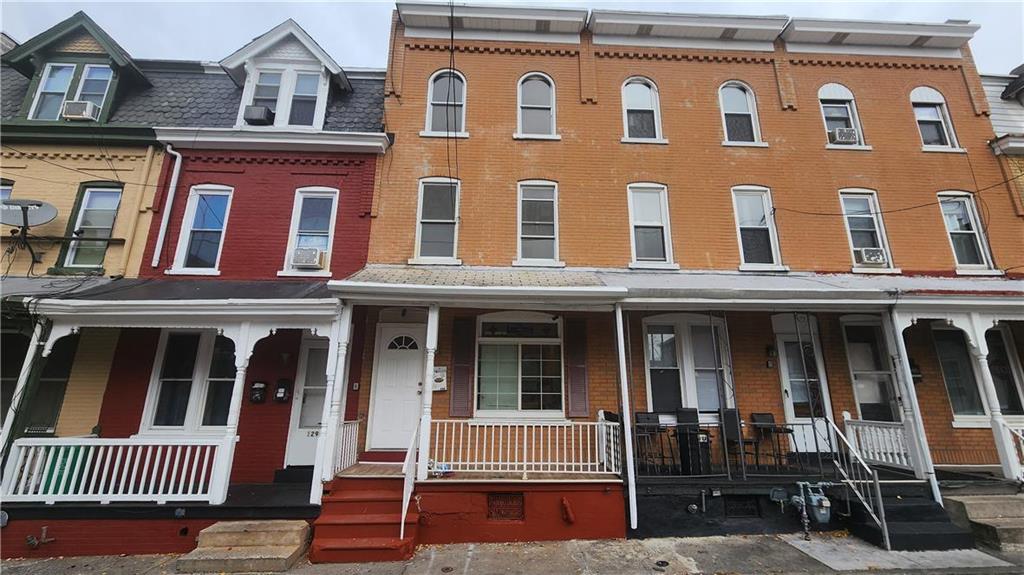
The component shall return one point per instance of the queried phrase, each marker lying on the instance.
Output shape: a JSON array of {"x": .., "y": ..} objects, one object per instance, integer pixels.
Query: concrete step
[
  {"x": 976, "y": 507},
  {"x": 999, "y": 532},
  {"x": 361, "y": 550},
  {"x": 331, "y": 526},
  {"x": 249, "y": 559},
  {"x": 254, "y": 534}
]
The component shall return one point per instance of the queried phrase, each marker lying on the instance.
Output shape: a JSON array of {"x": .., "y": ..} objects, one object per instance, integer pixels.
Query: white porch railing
[
  {"x": 99, "y": 469},
  {"x": 880, "y": 442},
  {"x": 477, "y": 447},
  {"x": 1017, "y": 439},
  {"x": 409, "y": 477},
  {"x": 348, "y": 448}
]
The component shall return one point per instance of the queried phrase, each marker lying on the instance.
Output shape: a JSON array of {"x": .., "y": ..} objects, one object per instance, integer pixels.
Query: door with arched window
[{"x": 397, "y": 386}]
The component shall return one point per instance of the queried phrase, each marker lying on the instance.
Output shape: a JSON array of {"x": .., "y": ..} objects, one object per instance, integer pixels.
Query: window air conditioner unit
[
  {"x": 258, "y": 116},
  {"x": 871, "y": 256},
  {"x": 80, "y": 110},
  {"x": 844, "y": 136},
  {"x": 308, "y": 258}
]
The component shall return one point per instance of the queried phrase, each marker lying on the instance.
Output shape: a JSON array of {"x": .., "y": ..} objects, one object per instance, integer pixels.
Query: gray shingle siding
[{"x": 13, "y": 87}]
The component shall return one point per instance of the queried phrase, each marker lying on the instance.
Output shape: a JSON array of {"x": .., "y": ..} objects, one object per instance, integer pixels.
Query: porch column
[
  {"x": 1004, "y": 442},
  {"x": 427, "y": 389},
  {"x": 923, "y": 466},
  {"x": 330, "y": 418},
  {"x": 221, "y": 475},
  {"x": 627, "y": 418},
  {"x": 19, "y": 387}
]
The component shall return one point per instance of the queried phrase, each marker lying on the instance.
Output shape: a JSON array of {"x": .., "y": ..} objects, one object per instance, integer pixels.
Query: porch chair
[
  {"x": 693, "y": 443},
  {"x": 648, "y": 427},
  {"x": 767, "y": 431},
  {"x": 736, "y": 444}
]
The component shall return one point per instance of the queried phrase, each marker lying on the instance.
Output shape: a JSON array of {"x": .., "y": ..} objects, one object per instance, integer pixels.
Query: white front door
[
  {"x": 396, "y": 390},
  {"x": 307, "y": 403},
  {"x": 805, "y": 392}
]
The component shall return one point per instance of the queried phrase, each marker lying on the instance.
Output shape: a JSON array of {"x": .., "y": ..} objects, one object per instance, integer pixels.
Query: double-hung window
[
  {"x": 519, "y": 365},
  {"x": 839, "y": 111},
  {"x": 193, "y": 381},
  {"x": 53, "y": 89},
  {"x": 864, "y": 229},
  {"x": 46, "y": 400},
  {"x": 687, "y": 364},
  {"x": 6, "y": 187},
  {"x": 641, "y": 113},
  {"x": 307, "y": 87},
  {"x": 964, "y": 230},
  {"x": 312, "y": 228},
  {"x": 755, "y": 228},
  {"x": 739, "y": 113},
  {"x": 538, "y": 223},
  {"x": 536, "y": 105},
  {"x": 446, "y": 104},
  {"x": 202, "y": 233},
  {"x": 95, "y": 219},
  {"x": 650, "y": 237},
  {"x": 959, "y": 375},
  {"x": 267, "y": 89},
  {"x": 932, "y": 119},
  {"x": 438, "y": 230},
  {"x": 297, "y": 95},
  {"x": 871, "y": 371},
  {"x": 94, "y": 84}
]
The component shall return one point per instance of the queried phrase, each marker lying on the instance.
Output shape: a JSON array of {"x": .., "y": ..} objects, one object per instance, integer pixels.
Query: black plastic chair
[
  {"x": 648, "y": 426},
  {"x": 694, "y": 457},
  {"x": 736, "y": 443}
]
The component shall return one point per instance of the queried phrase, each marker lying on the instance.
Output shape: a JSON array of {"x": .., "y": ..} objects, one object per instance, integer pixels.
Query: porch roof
[{"x": 16, "y": 288}]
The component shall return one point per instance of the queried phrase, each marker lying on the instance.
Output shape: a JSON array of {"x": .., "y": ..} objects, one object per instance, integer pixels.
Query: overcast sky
[{"x": 356, "y": 33}]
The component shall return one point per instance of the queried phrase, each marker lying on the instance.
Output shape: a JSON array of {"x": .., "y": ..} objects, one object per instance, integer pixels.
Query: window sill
[
  {"x": 302, "y": 274},
  {"x": 745, "y": 144},
  {"x": 434, "y": 261},
  {"x": 191, "y": 272},
  {"x": 979, "y": 272},
  {"x": 518, "y": 136},
  {"x": 867, "y": 270},
  {"x": 177, "y": 432},
  {"x": 429, "y": 134},
  {"x": 538, "y": 264},
  {"x": 660, "y": 141},
  {"x": 653, "y": 266},
  {"x": 506, "y": 417},
  {"x": 943, "y": 149},
  {"x": 983, "y": 421},
  {"x": 858, "y": 147},
  {"x": 763, "y": 268}
]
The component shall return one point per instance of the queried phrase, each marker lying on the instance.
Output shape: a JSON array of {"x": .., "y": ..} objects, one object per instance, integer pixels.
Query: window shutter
[
  {"x": 461, "y": 399},
  {"x": 575, "y": 339}
]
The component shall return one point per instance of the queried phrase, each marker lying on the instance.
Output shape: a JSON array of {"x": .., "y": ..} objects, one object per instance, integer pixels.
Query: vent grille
[{"x": 506, "y": 506}]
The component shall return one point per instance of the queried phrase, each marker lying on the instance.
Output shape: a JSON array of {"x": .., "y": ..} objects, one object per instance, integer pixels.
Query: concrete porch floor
[{"x": 735, "y": 554}]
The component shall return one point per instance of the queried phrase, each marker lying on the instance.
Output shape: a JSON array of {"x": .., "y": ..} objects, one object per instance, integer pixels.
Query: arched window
[
  {"x": 932, "y": 118},
  {"x": 842, "y": 126},
  {"x": 403, "y": 342},
  {"x": 640, "y": 109},
  {"x": 739, "y": 113},
  {"x": 536, "y": 105},
  {"x": 446, "y": 97}
]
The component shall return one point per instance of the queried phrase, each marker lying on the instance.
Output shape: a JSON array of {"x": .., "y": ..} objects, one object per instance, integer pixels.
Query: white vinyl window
[
  {"x": 437, "y": 229},
  {"x": 688, "y": 364},
  {"x": 5, "y": 190},
  {"x": 871, "y": 370},
  {"x": 519, "y": 365},
  {"x": 446, "y": 104},
  {"x": 839, "y": 112},
  {"x": 933, "y": 122},
  {"x": 192, "y": 382},
  {"x": 304, "y": 96},
  {"x": 965, "y": 232},
  {"x": 201, "y": 240},
  {"x": 94, "y": 84},
  {"x": 650, "y": 236},
  {"x": 538, "y": 223},
  {"x": 296, "y": 94},
  {"x": 313, "y": 217},
  {"x": 960, "y": 374},
  {"x": 536, "y": 106},
  {"x": 53, "y": 90},
  {"x": 739, "y": 113},
  {"x": 641, "y": 112},
  {"x": 864, "y": 229},
  {"x": 95, "y": 219},
  {"x": 267, "y": 90},
  {"x": 755, "y": 228}
]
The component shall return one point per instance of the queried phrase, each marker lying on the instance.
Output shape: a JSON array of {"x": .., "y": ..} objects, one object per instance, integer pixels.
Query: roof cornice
[{"x": 291, "y": 140}]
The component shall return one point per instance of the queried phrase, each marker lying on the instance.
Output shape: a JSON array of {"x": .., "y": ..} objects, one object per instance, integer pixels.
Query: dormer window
[
  {"x": 296, "y": 95},
  {"x": 268, "y": 85},
  {"x": 94, "y": 84},
  {"x": 53, "y": 89},
  {"x": 307, "y": 86}
]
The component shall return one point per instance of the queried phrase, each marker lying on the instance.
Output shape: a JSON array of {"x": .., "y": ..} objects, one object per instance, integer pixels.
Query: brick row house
[{"x": 553, "y": 274}]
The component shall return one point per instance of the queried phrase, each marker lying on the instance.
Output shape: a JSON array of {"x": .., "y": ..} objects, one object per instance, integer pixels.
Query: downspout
[
  {"x": 168, "y": 204},
  {"x": 627, "y": 418}
]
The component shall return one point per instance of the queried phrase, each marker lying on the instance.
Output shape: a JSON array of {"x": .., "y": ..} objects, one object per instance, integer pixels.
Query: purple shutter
[
  {"x": 575, "y": 339},
  {"x": 461, "y": 396}
]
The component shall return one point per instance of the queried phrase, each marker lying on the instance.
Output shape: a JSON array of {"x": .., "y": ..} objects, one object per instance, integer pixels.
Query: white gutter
[
  {"x": 192, "y": 308},
  {"x": 168, "y": 203},
  {"x": 356, "y": 288},
  {"x": 293, "y": 140},
  {"x": 627, "y": 427}
]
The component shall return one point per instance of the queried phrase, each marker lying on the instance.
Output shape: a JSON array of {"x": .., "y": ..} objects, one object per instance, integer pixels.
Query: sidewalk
[{"x": 736, "y": 554}]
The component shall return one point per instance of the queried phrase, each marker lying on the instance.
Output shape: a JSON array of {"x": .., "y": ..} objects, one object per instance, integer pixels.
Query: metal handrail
[
  {"x": 855, "y": 472},
  {"x": 409, "y": 473}
]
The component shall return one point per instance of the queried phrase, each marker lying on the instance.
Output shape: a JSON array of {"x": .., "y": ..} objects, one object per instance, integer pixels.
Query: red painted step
[
  {"x": 365, "y": 484},
  {"x": 361, "y": 549},
  {"x": 365, "y": 525},
  {"x": 383, "y": 456},
  {"x": 360, "y": 521},
  {"x": 355, "y": 502}
]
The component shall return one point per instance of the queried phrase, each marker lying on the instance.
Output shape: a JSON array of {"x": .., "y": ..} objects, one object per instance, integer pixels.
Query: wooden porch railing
[
  {"x": 563, "y": 448},
  {"x": 348, "y": 448},
  {"x": 880, "y": 442},
  {"x": 158, "y": 470}
]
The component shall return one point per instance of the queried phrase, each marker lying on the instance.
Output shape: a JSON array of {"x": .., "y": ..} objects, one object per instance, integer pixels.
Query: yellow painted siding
[
  {"x": 54, "y": 174},
  {"x": 81, "y": 409}
]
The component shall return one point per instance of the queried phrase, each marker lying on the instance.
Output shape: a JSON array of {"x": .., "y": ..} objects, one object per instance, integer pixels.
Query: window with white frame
[
  {"x": 648, "y": 214},
  {"x": 839, "y": 111},
  {"x": 641, "y": 113},
  {"x": 739, "y": 113},
  {"x": 304, "y": 96},
  {"x": 446, "y": 103},
  {"x": 296, "y": 94},
  {"x": 1004, "y": 364},
  {"x": 755, "y": 227},
  {"x": 94, "y": 84},
  {"x": 959, "y": 375},
  {"x": 538, "y": 222},
  {"x": 53, "y": 90},
  {"x": 266, "y": 90},
  {"x": 871, "y": 370},
  {"x": 437, "y": 232},
  {"x": 519, "y": 364},
  {"x": 932, "y": 116},
  {"x": 312, "y": 228},
  {"x": 864, "y": 229},
  {"x": 964, "y": 230},
  {"x": 688, "y": 363},
  {"x": 192, "y": 382},
  {"x": 536, "y": 105},
  {"x": 202, "y": 232},
  {"x": 95, "y": 219},
  {"x": 6, "y": 188}
]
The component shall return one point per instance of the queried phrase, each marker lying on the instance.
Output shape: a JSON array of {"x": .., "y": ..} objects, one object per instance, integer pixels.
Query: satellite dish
[{"x": 29, "y": 213}]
